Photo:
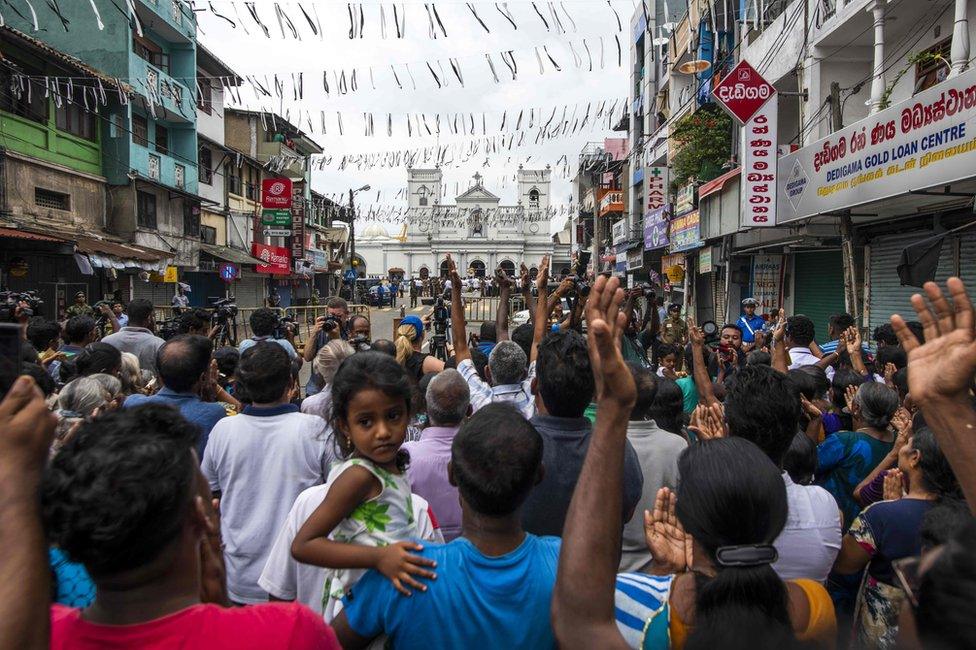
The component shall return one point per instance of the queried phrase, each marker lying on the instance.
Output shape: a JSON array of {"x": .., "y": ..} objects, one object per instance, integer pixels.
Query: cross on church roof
[{"x": 477, "y": 178}]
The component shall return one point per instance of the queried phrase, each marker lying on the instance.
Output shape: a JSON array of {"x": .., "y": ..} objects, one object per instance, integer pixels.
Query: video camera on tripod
[{"x": 438, "y": 342}]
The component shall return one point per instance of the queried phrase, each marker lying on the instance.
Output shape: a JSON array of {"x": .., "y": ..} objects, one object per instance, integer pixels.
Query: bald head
[
  {"x": 182, "y": 360},
  {"x": 448, "y": 398}
]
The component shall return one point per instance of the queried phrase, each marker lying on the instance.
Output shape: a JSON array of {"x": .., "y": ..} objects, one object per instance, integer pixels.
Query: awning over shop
[
  {"x": 115, "y": 255},
  {"x": 229, "y": 254},
  {"x": 717, "y": 184},
  {"x": 32, "y": 236}
]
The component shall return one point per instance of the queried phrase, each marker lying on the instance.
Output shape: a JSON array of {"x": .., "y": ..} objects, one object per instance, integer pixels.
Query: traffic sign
[
  {"x": 743, "y": 92},
  {"x": 276, "y": 193},
  {"x": 228, "y": 272},
  {"x": 278, "y": 218},
  {"x": 277, "y": 232}
]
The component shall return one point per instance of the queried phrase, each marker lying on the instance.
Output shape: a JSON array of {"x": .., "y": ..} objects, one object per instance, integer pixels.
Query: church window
[{"x": 534, "y": 199}]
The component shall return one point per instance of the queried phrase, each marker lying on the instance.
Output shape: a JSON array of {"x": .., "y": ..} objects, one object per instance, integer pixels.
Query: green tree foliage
[{"x": 704, "y": 141}]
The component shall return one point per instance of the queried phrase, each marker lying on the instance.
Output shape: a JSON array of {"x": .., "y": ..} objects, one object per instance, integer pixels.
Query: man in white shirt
[
  {"x": 763, "y": 406},
  {"x": 798, "y": 337},
  {"x": 257, "y": 463},
  {"x": 284, "y": 578}
]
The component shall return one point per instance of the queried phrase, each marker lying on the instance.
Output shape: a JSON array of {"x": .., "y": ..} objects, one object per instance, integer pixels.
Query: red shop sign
[
  {"x": 276, "y": 193},
  {"x": 277, "y": 259},
  {"x": 743, "y": 92}
]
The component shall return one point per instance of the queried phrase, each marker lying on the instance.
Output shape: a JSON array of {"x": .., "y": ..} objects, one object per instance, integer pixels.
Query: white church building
[{"x": 476, "y": 231}]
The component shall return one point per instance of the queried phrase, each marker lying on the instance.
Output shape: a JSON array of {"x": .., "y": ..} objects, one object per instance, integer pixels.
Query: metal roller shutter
[
  {"x": 887, "y": 295},
  {"x": 818, "y": 287},
  {"x": 159, "y": 293},
  {"x": 967, "y": 260},
  {"x": 251, "y": 290}
]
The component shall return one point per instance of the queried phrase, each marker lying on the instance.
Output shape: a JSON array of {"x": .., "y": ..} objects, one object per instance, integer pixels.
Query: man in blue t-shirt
[
  {"x": 749, "y": 322},
  {"x": 494, "y": 583}
]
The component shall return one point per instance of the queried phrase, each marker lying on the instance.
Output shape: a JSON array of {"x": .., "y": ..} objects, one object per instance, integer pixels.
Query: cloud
[{"x": 466, "y": 42}]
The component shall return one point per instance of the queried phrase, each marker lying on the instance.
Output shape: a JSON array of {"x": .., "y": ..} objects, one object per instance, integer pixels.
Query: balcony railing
[{"x": 611, "y": 201}]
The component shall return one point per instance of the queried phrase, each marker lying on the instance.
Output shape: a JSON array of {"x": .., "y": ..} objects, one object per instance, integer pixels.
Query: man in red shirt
[{"x": 125, "y": 497}]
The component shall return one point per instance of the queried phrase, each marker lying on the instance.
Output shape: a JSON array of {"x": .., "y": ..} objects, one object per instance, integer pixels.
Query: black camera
[
  {"x": 360, "y": 343},
  {"x": 9, "y": 301},
  {"x": 441, "y": 314},
  {"x": 287, "y": 325},
  {"x": 223, "y": 309},
  {"x": 168, "y": 328},
  {"x": 330, "y": 323}
]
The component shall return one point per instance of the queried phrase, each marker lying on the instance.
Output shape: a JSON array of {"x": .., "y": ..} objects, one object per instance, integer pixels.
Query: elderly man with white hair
[{"x": 448, "y": 402}]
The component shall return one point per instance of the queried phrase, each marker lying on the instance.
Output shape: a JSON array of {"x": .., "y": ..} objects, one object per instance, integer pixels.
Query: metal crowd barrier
[{"x": 304, "y": 317}]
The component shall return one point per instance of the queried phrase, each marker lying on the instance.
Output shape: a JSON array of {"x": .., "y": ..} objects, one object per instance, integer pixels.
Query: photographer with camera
[
  {"x": 266, "y": 325},
  {"x": 327, "y": 328}
]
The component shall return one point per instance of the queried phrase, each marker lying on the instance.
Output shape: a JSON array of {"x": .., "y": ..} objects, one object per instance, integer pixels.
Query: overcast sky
[{"x": 466, "y": 42}]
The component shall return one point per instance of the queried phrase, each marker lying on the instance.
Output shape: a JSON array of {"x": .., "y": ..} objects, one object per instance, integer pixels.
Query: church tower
[
  {"x": 534, "y": 196},
  {"x": 423, "y": 194}
]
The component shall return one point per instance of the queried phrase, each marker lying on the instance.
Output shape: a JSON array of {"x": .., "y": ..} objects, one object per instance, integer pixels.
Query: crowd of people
[{"x": 605, "y": 475}]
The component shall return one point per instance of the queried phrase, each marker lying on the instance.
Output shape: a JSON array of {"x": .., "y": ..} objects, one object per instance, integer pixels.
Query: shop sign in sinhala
[{"x": 922, "y": 142}]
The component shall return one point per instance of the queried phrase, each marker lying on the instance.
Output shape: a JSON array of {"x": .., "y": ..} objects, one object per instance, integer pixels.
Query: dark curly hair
[
  {"x": 116, "y": 495},
  {"x": 362, "y": 371}
]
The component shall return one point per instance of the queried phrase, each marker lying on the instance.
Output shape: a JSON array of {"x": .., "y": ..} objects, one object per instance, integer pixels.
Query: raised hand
[
  {"x": 669, "y": 544},
  {"x": 605, "y": 326},
  {"x": 452, "y": 272},
  {"x": 943, "y": 367},
  {"x": 542, "y": 279},
  {"x": 894, "y": 485},
  {"x": 901, "y": 421},
  {"x": 711, "y": 422},
  {"x": 695, "y": 335},
  {"x": 504, "y": 282},
  {"x": 809, "y": 408},
  {"x": 779, "y": 331},
  {"x": 889, "y": 374},
  {"x": 849, "y": 394}
]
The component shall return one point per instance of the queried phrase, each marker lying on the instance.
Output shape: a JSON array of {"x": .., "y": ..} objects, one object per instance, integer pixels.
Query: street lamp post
[
  {"x": 352, "y": 232},
  {"x": 352, "y": 222}
]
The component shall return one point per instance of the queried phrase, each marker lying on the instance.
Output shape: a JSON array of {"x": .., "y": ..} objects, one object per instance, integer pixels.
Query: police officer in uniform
[{"x": 750, "y": 323}]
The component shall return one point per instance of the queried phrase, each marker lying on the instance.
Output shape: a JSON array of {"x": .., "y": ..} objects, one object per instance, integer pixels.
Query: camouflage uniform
[
  {"x": 75, "y": 309},
  {"x": 674, "y": 331}
]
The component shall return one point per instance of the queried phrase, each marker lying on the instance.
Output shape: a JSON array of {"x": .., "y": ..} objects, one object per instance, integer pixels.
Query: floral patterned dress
[
  {"x": 887, "y": 531},
  {"x": 383, "y": 520}
]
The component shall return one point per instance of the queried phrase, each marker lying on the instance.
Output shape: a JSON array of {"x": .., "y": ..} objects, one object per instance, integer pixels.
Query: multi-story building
[
  {"x": 279, "y": 149},
  {"x": 872, "y": 153},
  {"x": 151, "y": 152},
  {"x": 226, "y": 267},
  {"x": 56, "y": 151}
]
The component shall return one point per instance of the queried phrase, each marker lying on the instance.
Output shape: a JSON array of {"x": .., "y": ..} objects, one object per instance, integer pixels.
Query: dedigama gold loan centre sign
[{"x": 925, "y": 141}]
